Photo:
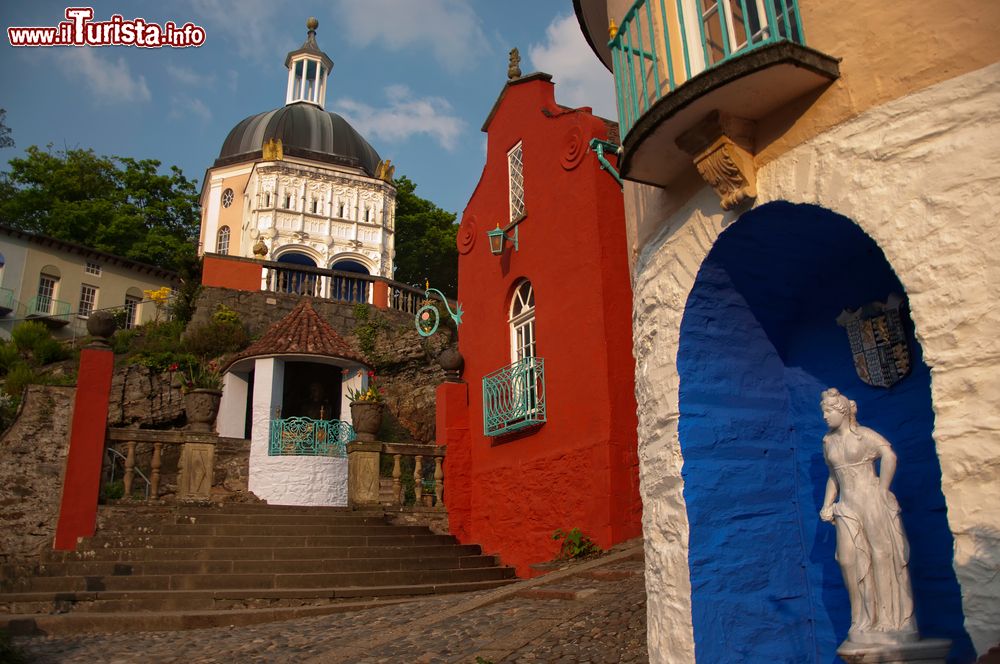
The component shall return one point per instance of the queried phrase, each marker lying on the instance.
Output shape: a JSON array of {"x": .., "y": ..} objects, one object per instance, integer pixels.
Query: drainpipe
[{"x": 599, "y": 146}]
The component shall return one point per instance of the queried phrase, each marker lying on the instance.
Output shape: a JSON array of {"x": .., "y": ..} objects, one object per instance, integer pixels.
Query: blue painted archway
[{"x": 759, "y": 342}]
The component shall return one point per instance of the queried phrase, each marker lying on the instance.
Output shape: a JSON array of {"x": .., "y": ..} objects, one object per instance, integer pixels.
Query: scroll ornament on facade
[{"x": 729, "y": 169}]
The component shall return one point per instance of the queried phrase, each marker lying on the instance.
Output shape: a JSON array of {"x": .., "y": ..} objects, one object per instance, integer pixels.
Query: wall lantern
[{"x": 497, "y": 237}]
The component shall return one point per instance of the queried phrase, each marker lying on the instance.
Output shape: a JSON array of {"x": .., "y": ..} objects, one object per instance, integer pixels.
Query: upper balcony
[{"x": 689, "y": 72}]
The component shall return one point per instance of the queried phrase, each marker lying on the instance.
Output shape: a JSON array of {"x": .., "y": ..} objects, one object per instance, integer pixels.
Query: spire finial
[
  {"x": 312, "y": 23},
  {"x": 513, "y": 64}
]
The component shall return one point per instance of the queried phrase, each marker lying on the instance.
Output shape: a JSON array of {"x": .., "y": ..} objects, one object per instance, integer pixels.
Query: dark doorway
[{"x": 311, "y": 390}]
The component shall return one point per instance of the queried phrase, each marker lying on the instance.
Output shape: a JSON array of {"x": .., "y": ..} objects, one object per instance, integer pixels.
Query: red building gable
[{"x": 554, "y": 444}]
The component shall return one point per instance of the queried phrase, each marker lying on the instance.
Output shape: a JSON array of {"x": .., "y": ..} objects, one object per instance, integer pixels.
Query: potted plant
[
  {"x": 366, "y": 409},
  {"x": 202, "y": 387}
]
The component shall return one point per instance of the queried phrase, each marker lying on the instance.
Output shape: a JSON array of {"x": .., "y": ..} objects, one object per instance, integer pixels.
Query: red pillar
[
  {"x": 452, "y": 420},
  {"x": 380, "y": 295},
  {"x": 78, "y": 510}
]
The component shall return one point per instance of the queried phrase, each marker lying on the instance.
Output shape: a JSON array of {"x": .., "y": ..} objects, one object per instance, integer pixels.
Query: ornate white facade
[{"x": 300, "y": 182}]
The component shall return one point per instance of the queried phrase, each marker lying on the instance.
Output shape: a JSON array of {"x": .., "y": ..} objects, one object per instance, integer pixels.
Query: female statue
[{"x": 871, "y": 546}]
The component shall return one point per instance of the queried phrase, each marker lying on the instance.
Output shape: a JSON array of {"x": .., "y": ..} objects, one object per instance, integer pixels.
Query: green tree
[
  {"x": 425, "y": 241},
  {"x": 5, "y": 140},
  {"x": 116, "y": 204}
]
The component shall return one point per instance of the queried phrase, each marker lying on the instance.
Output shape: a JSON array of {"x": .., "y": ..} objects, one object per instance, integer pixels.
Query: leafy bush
[
  {"x": 29, "y": 334},
  {"x": 113, "y": 490},
  {"x": 121, "y": 341},
  {"x": 34, "y": 342},
  {"x": 224, "y": 314},
  {"x": 162, "y": 361},
  {"x": 8, "y": 356},
  {"x": 19, "y": 377},
  {"x": 574, "y": 544},
  {"x": 216, "y": 338}
]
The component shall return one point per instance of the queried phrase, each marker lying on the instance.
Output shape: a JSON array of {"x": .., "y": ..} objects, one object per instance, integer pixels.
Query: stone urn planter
[
  {"x": 366, "y": 417},
  {"x": 201, "y": 406}
]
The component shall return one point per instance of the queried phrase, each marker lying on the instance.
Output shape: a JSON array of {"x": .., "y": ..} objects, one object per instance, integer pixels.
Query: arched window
[
  {"x": 522, "y": 322},
  {"x": 222, "y": 241}
]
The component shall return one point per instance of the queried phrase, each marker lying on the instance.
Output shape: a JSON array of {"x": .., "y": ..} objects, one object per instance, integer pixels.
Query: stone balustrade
[
  {"x": 194, "y": 466},
  {"x": 364, "y": 460}
]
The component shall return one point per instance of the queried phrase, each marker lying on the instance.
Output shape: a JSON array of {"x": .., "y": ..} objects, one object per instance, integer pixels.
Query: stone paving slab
[{"x": 498, "y": 626}]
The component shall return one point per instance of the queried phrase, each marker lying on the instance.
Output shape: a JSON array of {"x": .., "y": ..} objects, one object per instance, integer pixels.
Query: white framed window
[
  {"x": 515, "y": 176},
  {"x": 222, "y": 241},
  {"x": 288, "y": 201},
  {"x": 93, "y": 269},
  {"x": 47, "y": 286},
  {"x": 340, "y": 212},
  {"x": 88, "y": 300},
  {"x": 724, "y": 24},
  {"x": 522, "y": 322},
  {"x": 315, "y": 206},
  {"x": 132, "y": 303},
  {"x": 267, "y": 199},
  {"x": 227, "y": 198}
]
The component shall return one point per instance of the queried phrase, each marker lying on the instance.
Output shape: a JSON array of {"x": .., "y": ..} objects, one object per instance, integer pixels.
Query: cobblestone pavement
[{"x": 593, "y": 611}]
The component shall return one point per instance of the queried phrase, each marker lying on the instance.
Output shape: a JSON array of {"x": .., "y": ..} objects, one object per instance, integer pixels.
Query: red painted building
[{"x": 542, "y": 435}]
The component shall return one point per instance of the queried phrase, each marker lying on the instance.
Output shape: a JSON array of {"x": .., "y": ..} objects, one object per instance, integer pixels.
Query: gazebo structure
[{"x": 287, "y": 393}]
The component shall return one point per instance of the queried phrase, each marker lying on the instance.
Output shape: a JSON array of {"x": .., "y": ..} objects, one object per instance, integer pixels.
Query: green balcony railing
[
  {"x": 7, "y": 301},
  {"x": 48, "y": 307},
  {"x": 663, "y": 43},
  {"x": 514, "y": 397},
  {"x": 303, "y": 436}
]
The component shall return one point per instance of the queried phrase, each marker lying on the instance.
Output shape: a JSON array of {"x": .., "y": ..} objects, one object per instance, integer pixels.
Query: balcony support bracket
[{"x": 722, "y": 149}]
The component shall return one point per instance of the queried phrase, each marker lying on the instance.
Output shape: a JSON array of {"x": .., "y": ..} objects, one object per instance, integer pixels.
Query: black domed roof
[{"x": 305, "y": 130}]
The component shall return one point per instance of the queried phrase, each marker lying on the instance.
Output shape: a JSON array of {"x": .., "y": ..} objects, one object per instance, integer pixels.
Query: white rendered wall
[
  {"x": 231, "y": 421},
  {"x": 919, "y": 176},
  {"x": 287, "y": 480}
]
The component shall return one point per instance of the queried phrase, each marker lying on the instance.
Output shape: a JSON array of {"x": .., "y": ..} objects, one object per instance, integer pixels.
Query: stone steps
[
  {"x": 268, "y": 561},
  {"x": 142, "y": 554}
]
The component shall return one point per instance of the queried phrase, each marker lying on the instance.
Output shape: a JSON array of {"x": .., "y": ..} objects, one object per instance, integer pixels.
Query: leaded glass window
[{"x": 515, "y": 171}]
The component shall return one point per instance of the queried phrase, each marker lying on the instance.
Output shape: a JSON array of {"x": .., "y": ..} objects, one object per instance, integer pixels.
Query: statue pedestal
[{"x": 924, "y": 651}]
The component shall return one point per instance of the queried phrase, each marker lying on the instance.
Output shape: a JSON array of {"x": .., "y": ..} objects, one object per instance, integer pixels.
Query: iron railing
[
  {"x": 514, "y": 397},
  {"x": 8, "y": 303},
  {"x": 304, "y": 436},
  {"x": 349, "y": 287},
  {"x": 661, "y": 44},
  {"x": 40, "y": 305}
]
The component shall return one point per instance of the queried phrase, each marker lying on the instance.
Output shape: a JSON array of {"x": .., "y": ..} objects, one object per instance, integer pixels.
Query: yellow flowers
[{"x": 159, "y": 297}]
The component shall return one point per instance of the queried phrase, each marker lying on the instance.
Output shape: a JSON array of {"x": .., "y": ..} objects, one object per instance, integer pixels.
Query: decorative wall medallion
[
  {"x": 878, "y": 341},
  {"x": 574, "y": 148},
  {"x": 466, "y": 238}
]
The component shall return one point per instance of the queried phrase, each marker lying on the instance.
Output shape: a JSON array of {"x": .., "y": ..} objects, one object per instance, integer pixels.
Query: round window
[{"x": 227, "y": 198}]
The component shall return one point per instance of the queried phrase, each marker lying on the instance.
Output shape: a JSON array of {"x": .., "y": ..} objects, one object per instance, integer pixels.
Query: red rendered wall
[
  {"x": 579, "y": 469},
  {"x": 230, "y": 273},
  {"x": 82, "y": 480}
]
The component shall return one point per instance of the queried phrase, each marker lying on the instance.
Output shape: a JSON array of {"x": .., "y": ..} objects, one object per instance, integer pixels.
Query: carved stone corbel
[{"x": 722, "y": 150}]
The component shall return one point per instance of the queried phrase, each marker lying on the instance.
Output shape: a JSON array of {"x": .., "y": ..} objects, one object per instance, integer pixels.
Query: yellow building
[
  {"x": 60, "y": 283},
  {"x": 794, "y": 168}
]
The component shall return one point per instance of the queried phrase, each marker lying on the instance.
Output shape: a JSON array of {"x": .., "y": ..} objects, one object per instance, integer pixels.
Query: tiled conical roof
[{"x": 301, "y": 332}]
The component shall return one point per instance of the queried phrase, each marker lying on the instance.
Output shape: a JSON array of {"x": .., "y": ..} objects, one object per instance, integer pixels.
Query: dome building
[{"x": 299, "y": 185}]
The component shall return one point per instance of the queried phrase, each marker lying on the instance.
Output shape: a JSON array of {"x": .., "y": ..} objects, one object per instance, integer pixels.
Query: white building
[{"x": 299, "y": 185}]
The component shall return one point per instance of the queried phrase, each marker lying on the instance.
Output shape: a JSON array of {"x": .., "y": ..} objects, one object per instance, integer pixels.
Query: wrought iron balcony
[
  {"x": 7, "y": 301},
  {"x": 48, "y": 310},
  {"x": 514, "y": 397},
  {"x": 675, "y": 61},
  {"x": 303, "y": 436}
]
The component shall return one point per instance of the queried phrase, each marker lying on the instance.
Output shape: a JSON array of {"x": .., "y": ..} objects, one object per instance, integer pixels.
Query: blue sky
[{"x": 416, "y": 77}]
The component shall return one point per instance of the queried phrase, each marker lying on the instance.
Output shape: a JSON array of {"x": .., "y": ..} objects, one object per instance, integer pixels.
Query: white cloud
[
  {"x": 187, "y": 76},
  {"x": 109, "y": 81},
  {"x": 450, "y": 29},
  {"x": 250, "y": 25},
  {"x": 580, "y": 78},
  {"x": 181, "y": 107},
  {"x": 404, "y": 117}
]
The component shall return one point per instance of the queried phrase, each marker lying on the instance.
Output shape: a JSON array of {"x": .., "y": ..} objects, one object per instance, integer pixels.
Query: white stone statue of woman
[{"x": 871, "y": 546}]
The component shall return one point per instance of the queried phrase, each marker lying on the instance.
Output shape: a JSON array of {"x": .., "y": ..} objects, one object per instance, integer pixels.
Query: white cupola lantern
[{"x": 308, "y": 70}]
